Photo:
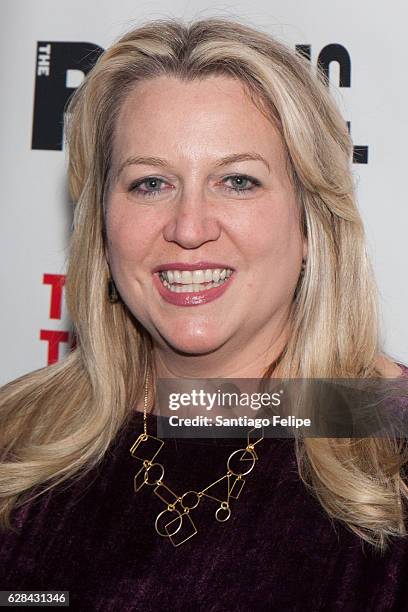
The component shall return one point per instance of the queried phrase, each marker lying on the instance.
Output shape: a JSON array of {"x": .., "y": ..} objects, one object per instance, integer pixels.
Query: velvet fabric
[{"x": 278, "y": 551}]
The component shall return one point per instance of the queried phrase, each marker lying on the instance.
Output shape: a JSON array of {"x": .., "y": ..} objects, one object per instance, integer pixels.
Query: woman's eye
[
  {"x": 240, "y": 183},
  {"x": 153, "y": 186},
  {"x": 147, "y": 187}
]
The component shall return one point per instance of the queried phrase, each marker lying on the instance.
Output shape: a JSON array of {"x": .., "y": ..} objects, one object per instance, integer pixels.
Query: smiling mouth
[{"x": 194, "y": 281}]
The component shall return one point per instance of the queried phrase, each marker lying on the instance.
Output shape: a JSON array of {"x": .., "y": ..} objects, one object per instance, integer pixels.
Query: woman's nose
[{"x": 192, "y": 223}]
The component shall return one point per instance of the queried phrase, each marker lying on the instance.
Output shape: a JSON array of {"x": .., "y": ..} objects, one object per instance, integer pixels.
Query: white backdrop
[{"x": 35, "y": 209}]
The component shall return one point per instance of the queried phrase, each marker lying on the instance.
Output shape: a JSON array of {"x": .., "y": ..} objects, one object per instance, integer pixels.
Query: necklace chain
[
  {"x": 146, "y": 398},
  {"x": 175, "y": 522}
]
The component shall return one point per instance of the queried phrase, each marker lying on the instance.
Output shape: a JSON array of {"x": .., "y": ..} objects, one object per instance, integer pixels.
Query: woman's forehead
[{"x": 212, "y": 113}]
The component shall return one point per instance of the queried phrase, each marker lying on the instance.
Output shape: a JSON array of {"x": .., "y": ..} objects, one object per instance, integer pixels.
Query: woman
[{"x": 215, "y": 235}]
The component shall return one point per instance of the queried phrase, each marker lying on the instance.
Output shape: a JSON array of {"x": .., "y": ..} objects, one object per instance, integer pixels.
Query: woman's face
[{"x": 204, "y": 242}]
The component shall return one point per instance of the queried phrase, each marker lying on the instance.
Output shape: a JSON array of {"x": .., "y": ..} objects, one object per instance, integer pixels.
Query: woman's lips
[{"x": 191, "y": 298}]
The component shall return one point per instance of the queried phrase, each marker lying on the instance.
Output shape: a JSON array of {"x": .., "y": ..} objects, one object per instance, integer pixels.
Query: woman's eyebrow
[
  {"x": 238, "y": 157},
  {"x": 160, "y": 162}
]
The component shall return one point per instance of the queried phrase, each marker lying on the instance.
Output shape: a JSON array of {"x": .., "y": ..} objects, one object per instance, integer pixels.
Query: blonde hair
[{"x": 58, "y": 422}]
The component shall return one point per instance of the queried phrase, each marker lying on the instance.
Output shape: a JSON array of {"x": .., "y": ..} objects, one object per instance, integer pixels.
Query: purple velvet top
[{"x": 278, "y": 551}]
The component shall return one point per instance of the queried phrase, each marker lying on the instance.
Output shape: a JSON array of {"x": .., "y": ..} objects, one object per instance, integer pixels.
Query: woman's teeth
[{"x": 187, "y": 281}]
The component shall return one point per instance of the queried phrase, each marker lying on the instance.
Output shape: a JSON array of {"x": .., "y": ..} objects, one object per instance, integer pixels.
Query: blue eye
[
  {"x": 242, "y": 184},
  {"x": 152, "y": 182}
]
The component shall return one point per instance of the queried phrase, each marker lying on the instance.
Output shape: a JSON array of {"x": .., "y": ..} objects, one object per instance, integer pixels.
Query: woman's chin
[{"x": 194, "y": 345}]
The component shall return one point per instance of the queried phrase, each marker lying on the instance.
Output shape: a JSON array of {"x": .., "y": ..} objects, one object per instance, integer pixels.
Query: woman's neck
[{"x": 250, "y": 361}]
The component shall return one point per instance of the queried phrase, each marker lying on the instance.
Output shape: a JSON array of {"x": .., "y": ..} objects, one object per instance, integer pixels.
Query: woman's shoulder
[{"x": 390, "y": 368}]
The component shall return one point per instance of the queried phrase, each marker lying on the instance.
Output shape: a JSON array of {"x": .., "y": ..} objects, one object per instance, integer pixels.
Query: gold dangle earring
[{"x": 113, "y": 295}]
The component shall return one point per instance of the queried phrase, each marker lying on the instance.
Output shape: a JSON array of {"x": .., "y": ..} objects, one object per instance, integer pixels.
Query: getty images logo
[{"x": 56, "y": 62}]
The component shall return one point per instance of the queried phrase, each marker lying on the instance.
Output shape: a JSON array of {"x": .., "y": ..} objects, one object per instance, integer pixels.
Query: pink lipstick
[{"x": 190, "y": 298}]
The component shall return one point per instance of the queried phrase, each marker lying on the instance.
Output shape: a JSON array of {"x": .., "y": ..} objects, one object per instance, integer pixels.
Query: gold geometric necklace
[{"x": 175, "y": 522}]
